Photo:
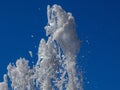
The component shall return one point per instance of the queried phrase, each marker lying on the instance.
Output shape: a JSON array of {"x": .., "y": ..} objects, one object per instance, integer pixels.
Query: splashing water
[{"x": 55, "y": 68}]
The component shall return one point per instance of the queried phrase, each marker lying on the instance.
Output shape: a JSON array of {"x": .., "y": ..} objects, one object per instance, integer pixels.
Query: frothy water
[{"x": 55, "y": 68}]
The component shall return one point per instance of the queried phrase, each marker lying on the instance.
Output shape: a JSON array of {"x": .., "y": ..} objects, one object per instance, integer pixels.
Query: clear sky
[{"x": 98, "y": 27}]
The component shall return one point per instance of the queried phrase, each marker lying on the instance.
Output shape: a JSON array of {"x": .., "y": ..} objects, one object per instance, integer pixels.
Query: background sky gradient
[{"x": 98, "y": 27}]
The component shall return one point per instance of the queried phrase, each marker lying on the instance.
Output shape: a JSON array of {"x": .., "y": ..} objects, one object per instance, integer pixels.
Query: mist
[{"x": 56, "y": 65}]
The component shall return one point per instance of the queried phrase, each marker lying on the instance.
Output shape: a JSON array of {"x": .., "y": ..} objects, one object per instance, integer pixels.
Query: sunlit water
[{"x": 55, "y": 68}]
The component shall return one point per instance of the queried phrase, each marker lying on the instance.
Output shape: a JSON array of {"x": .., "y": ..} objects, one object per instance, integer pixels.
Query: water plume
[{"x": 56, "y": 65}]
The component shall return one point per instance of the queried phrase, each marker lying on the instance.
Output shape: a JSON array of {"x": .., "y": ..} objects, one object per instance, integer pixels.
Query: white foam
[{"x": 56, "y": 63}]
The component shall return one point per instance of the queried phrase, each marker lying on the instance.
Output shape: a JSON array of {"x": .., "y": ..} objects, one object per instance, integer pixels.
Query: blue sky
[{"x": 98, "y": 27}]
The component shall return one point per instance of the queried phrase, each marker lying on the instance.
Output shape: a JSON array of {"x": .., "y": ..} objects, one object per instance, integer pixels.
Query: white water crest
[{"x": 56, "y": 65}]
